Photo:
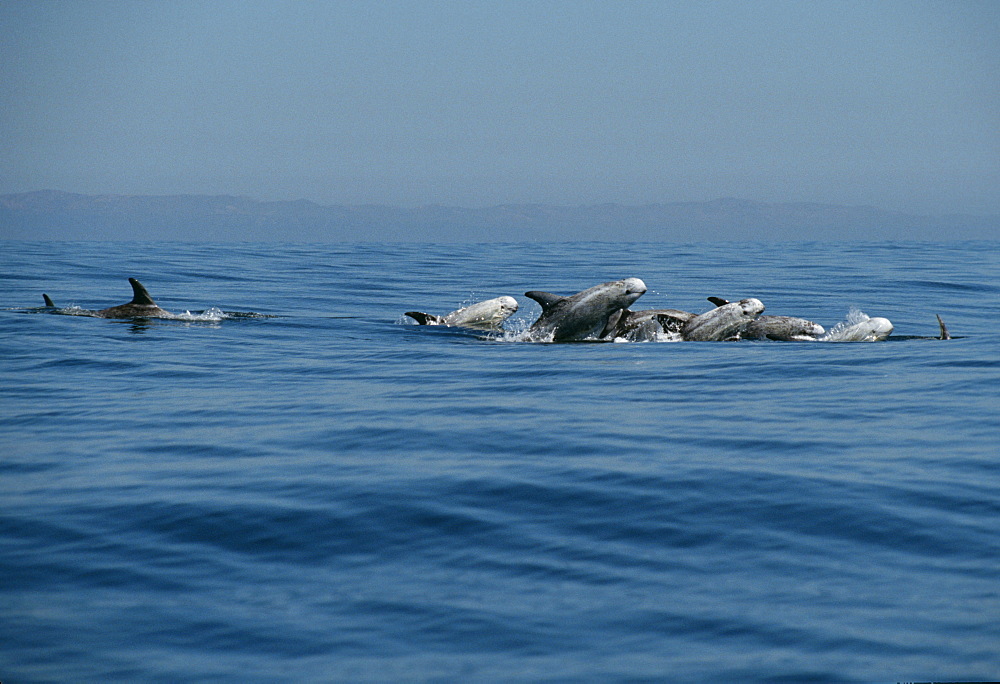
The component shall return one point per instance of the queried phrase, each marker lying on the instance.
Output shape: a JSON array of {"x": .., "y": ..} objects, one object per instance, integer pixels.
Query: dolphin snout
[
  {"x": 752, "y": 307},
  {"x": 881, "y": 326},
  {"x": 634, "y": 286},
  {"x": 508, "y": 304}
]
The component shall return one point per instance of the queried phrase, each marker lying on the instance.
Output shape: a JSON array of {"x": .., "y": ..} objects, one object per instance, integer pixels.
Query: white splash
[
  {"x": 212, "y": 315},
  {"x": 858, "y": 327}
]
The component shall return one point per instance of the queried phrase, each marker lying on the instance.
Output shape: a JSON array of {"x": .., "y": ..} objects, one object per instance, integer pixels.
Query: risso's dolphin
[
  {"x": 943, "y": 334},
  {"x": 141, "y": 306},
  {"x": 585, "y": 314},
  {"x": 785, "y": 328},
  {"x": 646, "y": 325},
  {"x": 486, "y": 315},
  {"x": 859, "y": 328},
  {"x": 726, "y": 322},
  {"x": 944, "y": 331}
]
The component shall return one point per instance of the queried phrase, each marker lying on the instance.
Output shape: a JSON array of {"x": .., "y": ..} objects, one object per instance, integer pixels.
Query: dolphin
[
  {"x": 722, "y": 323},
  {"x": 486, "y": 315},
  {"x": 48, "y": 301},
  {"x": 141, "y": 306},
  {"x": 584, "y": 314},
  {"x": 785, "y": 328},
  {"x": 944, "y": 331},
  {"x": 942, "y": 335},
  {"x": 646, "y": 325},
  {"x": 859, "y": 328}
]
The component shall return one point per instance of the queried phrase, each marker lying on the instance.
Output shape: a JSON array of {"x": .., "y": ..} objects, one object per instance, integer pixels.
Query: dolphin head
[
  {"x": 508, "y": 305},
  {"x": 632, "y": 289},
  {"x": 879, "y": 328},
  {"x": 751, "y": 307}
]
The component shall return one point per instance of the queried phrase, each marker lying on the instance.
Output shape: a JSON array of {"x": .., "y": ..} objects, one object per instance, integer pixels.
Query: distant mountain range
[{"x": 54, "y": 215}]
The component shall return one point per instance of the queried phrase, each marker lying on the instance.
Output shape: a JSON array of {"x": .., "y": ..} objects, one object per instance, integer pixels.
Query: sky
[{"x": 894, "y": 104}]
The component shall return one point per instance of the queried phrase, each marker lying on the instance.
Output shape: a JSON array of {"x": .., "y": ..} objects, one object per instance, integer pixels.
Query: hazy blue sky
[{"x": 895, "y": 104}]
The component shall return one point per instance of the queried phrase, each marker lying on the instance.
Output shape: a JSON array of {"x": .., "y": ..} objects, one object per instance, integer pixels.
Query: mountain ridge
[{"x": 58, "y": 215}]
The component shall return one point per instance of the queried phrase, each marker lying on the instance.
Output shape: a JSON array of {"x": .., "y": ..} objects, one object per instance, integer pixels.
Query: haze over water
[{"x": 468, "y": 103}]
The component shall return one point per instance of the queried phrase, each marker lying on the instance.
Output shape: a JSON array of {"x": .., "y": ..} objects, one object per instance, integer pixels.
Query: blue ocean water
[{"x": 327, "y": 492}]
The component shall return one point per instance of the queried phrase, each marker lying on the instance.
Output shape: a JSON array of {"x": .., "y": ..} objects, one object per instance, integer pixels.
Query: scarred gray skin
[
  {"x": 141, "y": 306},
  {"x": 646, "y": 325},
  {"x": 486, "y": 315},
  {"x": 584, "y": 314},
  {"x": 723, "y": 323},
  {"x": 871, "y": 330},
  {"x": 784, "y": 328}
]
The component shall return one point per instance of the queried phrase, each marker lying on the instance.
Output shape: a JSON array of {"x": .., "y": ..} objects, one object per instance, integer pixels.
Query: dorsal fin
[
  {"x": 944, "y": 330},
  {"x": 718, "y": 301},
  {"x": 424, "y": 318},
  {"x": 546, "y": 299},
  {"x": 139, "y": 294},
  {"x": 48, "y": 301}
]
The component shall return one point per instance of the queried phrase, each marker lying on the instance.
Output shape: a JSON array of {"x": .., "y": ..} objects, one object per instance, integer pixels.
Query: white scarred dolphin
[
  {"x": 486, "y": 315},
  {"x": 585, "y": 314},
  {"x": 867, "y": 330}
]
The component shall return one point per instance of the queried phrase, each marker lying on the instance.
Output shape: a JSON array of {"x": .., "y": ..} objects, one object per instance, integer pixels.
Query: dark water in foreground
[{"x": 334, "y": 495}]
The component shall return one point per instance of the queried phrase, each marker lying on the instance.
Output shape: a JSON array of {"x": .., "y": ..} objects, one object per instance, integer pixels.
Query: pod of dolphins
[{"x": 603, "y": 312}]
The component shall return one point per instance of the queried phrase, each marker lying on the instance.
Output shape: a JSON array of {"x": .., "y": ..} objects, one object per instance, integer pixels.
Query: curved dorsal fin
[
  {"x": 718, "y": 301},
  {"x": 139, "y": 294},
  {"x": 546, "y": 299},
  {"x": 48, "y": 301},
  {"x": 944, "y": 330}
]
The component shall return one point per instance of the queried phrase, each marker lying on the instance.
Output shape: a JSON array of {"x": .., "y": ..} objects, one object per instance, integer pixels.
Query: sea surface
[{"x": 291, "y": 481}]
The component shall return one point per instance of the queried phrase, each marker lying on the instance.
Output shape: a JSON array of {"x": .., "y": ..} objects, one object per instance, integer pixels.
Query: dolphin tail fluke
[
  {"x": 718, "y": 301},
  {"x": 425, "y": 318},
  {"x": 48, "y": 300},
  {"x": 944, "y": 330},
  {"x": 139, "y": 294}
]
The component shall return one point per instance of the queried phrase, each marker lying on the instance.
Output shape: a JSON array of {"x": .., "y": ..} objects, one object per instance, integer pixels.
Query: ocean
[{"x": 292, "y": 481}]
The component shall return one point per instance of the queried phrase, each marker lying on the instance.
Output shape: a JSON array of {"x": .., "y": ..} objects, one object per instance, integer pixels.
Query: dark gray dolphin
[
  {"x": 944, "y": 331},
  {"x": 141, "y": 306},
  {"x": 585, "y": 314},
  {"x": 943, "y": 335}
]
